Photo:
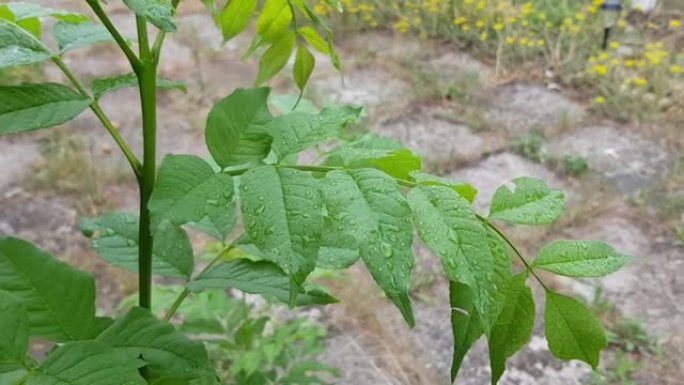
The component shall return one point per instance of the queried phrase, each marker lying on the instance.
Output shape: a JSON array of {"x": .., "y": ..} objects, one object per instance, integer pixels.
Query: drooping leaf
[
  {"x": 115, "y": 237},
  {"x": 572, "y": 330},
  {"x": 369, "y": 207},
  {"x": 167, "y": 352},
  {"x": 314, "y": 39},
  {"x": 87, "y": 363},
  {"x": 106, "y": 85},
  {"x": 276, "y": 57},
  {"x": 297, "y": 131},
  {"x": 263, "y": 278},
  {"x": 235, "y": 17},
  {"x": 71, "y": 36},
  {"x": 513, "y": 327},
  {"x": 448, "y": 226},
  {"x": 282, "y": 212},
  {"x": 14, "y": 332},
  {"x": 188, "y": 190},
  {"x": 531, "y": 202},
  {"x": 158, "y": 12},
  {"x": 274, "y": 20},
  {"x": 60, "y": 299},
  {"x": 466, "y": 326},
  {"x": 19, "y": 47},
  {"x": 233, "y": 134},
  {"x": 372, "y": 151},
  {"x": 466, "y": 190},
  {"x": 303, "y": 66},
  {"x": 580, "y": 258},
  {"x": 29, "y": 107}
]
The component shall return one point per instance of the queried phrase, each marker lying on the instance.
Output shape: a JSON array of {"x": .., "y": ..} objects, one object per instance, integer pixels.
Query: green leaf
[
  {"x": 580, "y": 258},
  {"x": 71, "y": 36},
  {"x": 158, "y": 12},
  {"x": 282, "y": 211},
  {"x": 115, "y": 237},
  {"x": 339, "y": 249},
  {"x": 233, "y": 134},
  {"x": 465, "y": 324},
  {"x": 188, "y": 190},
  {"x": 19, "y": 47},
  {"x": 448, "y": 226},
  {"x": 572, "y": 330},
  {"x": 513, "y": 328},
  {"x": 276, "y": 57},
  {"x": 13, "y": 377},
  {"x": 369, "y": 207},
  {"x": 303, "y": 66},
  {"x": 314, "y": 39},
  {"x": 297, "y": 131},
  {"x": 274, "y": 20},
  {"x": 60, "y": 299},
  {"x": 531, "y": 202},
  {"x": 25, "y": 11},
  {"x": 29, "y": 107},
  {"x": 235, "y": 17},
  {"x": 110, "y": 84},
  {"x": 372, "y": 151},
  {"x": 14, "y": 332},
  {"x": 263, "y": 278},
  {"x": 87, "y": 363},
  {"x": 466, "y": 190},
  {"x": 167, "y": 352}
]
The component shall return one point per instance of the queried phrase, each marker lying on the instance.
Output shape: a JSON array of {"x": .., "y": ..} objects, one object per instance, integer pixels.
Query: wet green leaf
[
  {"x": 158, "y": 12},
  {"x": 580, "y": 258},
  {"x": 71, "y": 36},
  {"x": 14, "y": 332},
  {"x": 530, "y": 202}
]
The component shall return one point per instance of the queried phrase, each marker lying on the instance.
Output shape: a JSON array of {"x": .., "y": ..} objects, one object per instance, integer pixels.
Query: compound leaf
[
  {"x": 282, "y": 211},
  {"x": 448, "y": 226},
  {"x": 115, "y": 237},
  {"x": 71, "y": 36},
  {"x": 466, "y": 190},
  {"x": 14, "y": 332},
  {"x": 262, "y": 277},
  {"x": 188, "y": 190},
  {"x": 235, "y": 17},
  {"x": 297, "y": 131},
  {"x": 87, "y": 363},
  {"x": 158, "y": 12},
  {"x": 572, "y": 330},
  {"x": 167, "y": 352},
  {"x": 531, "y": 202},
  {"x": 29, "y": 107},
  {"x": 580, "y": 258},
  {"x": 513, "y": 327},
  {"x": 19, "y": 47},
  {"x": 370, "y": 208},
  {"x": 233, "y": 134},
  {"x": 60, "y": 299}
]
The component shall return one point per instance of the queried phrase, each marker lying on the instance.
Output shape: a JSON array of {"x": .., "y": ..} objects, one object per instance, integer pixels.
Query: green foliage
[
  {"x": 575, "y": 165},
  {"x": 106, "y": 85},
  {"x": 529, "y": 146},
  {"x": 363, "y": 201}
]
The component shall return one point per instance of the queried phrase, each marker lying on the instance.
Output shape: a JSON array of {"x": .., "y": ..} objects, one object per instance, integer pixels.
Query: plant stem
[
  {"x": 184, "y": 294},
  {"x": 159, "y": 40},
  {"x": 95, "y": 107},
  {"x": 147, "y": 81},
  {"x": 102, "y": 15},
  {"x": 517, "y": 252}
]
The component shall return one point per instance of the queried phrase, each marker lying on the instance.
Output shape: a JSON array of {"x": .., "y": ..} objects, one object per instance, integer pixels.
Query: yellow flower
[
  {"x": 614, "y": 45},
  {"x": 600, "y": 69},
  {"x": 676, "y": 69},
  {"x": 484, "y": 36},
  {"x": 600, "y": 100},
  {"x": 580, "y": 16},
  {"x": 629, "y": 63},
  {"x": 622, "y": 23},
  {"x": 675, "y": 23},
  {"x": 460, "y": 20},
  {"x": 480, "y": 24},
  {"x": 498, "y": 26},
  {"x": 510, "y": 40},
  {"x": 640, "y": 82}
]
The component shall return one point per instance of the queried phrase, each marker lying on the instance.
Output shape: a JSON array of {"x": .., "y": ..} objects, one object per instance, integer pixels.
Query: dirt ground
[{"x": 470, "y": 137}]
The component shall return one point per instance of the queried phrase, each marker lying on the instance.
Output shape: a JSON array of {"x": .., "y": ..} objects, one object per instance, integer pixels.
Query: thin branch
[
  {"x": 100, "y": 13},
  {"x": 106, "y": 122},
  {"x": 159, "y": 41}
]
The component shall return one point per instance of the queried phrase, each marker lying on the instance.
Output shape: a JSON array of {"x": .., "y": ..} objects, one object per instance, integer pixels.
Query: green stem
[
  {"x": 102, "y": 15},
  {"x": 159, "y": 40},
  {"x": 97, "y": 110},
  {"x": 517, "y": 252},
  {"x": 184, "y": 294},
  {"x": 147, "y": 81}
]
